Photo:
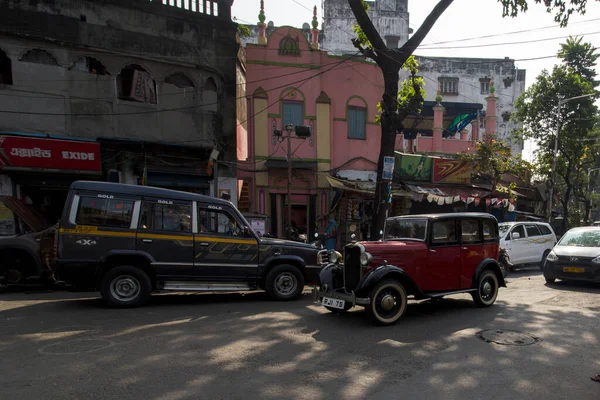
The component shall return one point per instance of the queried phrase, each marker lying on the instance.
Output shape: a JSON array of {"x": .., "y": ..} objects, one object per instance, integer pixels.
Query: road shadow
[{"x": 233, "y": 346}]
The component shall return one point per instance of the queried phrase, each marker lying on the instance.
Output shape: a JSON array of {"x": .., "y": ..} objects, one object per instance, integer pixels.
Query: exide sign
[{"x": 37, "y": 153}]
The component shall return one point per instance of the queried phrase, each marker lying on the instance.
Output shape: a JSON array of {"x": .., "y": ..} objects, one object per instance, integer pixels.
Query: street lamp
[
  {"x": 553, "y": 172},
  {"x": 589, "y": 171}
]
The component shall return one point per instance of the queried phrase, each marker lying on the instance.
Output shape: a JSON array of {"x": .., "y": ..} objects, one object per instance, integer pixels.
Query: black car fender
[
  {"x": 331, "y": 277},
  {"x": 30, "y": 249},
  {"x": 294, "y": 260},
  {"x": 389, "y": 272},
  {"x": 489, "y": 263},
  {"x": 125, "y": 257}
]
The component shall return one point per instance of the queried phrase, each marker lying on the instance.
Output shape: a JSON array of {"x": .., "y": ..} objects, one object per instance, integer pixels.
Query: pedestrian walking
[{"x": 331, "y": 235}]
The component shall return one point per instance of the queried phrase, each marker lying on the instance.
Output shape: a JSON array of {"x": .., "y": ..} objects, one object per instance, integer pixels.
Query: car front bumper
[
  {"x": 349, "y": 298},
  {"x": 555, "y": 270}
]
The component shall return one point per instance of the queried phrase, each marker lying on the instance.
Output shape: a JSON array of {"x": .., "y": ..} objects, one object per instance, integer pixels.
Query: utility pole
[
  {"x": 289, "y": 129},
  {"x": 561, "y": 101}
]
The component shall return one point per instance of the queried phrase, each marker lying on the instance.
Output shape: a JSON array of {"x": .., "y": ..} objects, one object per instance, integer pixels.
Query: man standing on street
[{"x": 331, "y": 234}]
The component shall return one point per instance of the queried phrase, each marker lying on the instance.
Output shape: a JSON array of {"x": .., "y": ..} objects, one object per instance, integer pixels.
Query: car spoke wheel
[
  {"x": 125, "y": 288},
  {"x": 284, "y": 282},
  {"x": 388, "y": 302},
  {"x": 487, "y": 289}
]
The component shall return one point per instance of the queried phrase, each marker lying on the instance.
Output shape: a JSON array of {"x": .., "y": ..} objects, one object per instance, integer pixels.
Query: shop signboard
[
  {"x": 415, "y": 168},
  {"x": 451, "y": 171},
  {"x": 48, "y": 154}
]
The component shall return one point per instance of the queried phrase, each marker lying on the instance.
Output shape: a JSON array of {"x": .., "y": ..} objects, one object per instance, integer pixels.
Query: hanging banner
[
  {"x": 451, "y": 171},
  {"x": 388, "y": 168},
  {"x": 413, "y": 167}
]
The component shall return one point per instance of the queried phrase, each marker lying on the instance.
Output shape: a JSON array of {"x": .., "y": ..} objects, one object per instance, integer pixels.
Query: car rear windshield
[
  {"x": 405, "y": 228},
  {"x": 581, "y": 238}
]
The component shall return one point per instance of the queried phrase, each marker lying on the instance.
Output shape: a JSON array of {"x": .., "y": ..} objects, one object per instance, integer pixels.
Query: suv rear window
[
  {"x": 166, "y": 217},
  {"x": 104, "y": 212},
  {"x": 545, "y": 230}
]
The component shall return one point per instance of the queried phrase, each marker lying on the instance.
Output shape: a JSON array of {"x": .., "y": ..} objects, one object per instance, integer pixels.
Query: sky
[{"x": 464, "y": 19}]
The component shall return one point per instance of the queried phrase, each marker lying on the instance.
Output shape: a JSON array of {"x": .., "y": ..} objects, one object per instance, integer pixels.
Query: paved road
[{"x": 231, "y": 346}]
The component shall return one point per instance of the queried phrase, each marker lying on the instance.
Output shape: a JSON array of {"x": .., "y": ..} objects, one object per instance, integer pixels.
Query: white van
[{"x": 527, "y": 243}]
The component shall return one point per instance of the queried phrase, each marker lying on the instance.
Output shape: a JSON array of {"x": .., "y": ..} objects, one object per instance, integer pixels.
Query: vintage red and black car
[{"x": 421, "y": 256}]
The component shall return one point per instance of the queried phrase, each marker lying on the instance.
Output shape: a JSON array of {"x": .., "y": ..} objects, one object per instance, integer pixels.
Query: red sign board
[
  {"x": 38, "y": 153},
  {"x": 451, "y": 171}
]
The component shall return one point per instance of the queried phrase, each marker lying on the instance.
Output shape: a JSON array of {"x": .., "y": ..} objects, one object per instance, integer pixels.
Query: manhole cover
[
  {"x": 76, "y": 346},
  {"x": 507, "y": 338}
]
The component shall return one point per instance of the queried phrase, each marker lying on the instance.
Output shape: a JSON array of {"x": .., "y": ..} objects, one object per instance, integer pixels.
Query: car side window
[
  {"x": 470, "y": 232},
  {"x": 517, "y": 229},
  {"x": 444, "y": 232},
  {"x": 545, "y": 230},
  {"x": 218, "y": 222},
  {"x": 490, "y": 230},
  {"x": 532, "y": 230},
  {"x": 95, "y": 211},
  {"x": 166, "y": 217}
]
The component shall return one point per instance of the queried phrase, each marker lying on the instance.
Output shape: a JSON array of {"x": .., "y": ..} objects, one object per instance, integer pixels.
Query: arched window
[
  {"x": 136, "y": 84},
  {"x": 89, "y": 65},
  {"x": 39, "y": 56},
  {"x": 210, "y": 85},
  {"x": 180, "y": 80},
  {"x": 288, "y": 46},
  {"x": 5, "y": 69}
]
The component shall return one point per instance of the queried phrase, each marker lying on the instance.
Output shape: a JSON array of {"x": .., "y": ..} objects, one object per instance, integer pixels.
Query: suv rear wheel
[
  {"x": 126, "y": 286},
  {"x": 388, "y": 302},
  {"x": 487, "y": 289},
  {"x": 284, "y": 282}
]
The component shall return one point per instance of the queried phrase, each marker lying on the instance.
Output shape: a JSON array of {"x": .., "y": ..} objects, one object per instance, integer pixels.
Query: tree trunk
[
  {"x": 566, "y": 207},
  {"x": 389, "y": 107}
]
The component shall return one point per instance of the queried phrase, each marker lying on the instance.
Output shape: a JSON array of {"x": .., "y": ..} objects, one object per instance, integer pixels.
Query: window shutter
[
  {"x": 293, "y": 113},
  {"x": 356, "y": 123}
]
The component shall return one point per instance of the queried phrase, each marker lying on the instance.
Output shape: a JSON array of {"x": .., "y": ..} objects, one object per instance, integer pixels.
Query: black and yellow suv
[{"x": 128, "y": 241}]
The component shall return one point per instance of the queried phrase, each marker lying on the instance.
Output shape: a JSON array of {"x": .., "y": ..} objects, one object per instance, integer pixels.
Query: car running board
[
  {"x": 205, "y": 286},
  {"x": 441, "y": 294}
]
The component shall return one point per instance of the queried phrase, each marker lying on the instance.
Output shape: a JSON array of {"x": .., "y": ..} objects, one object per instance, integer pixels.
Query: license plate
[
  {"x": 574, "y": 270},
  {"x": 333, "y": 303}
]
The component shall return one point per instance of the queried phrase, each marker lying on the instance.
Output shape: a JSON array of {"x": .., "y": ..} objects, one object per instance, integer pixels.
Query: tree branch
[
  {"x": 365, "y": 50},
  {"x": 367, "y": 25},
  {"x": 415, "y": 41}
]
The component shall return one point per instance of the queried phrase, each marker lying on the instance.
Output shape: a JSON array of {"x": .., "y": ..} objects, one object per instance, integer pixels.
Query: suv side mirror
[{"x": 516, "y": 235}]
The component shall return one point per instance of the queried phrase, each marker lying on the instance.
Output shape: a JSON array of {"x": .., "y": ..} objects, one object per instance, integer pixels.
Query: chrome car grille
[
  {"x": 323, "y": 257},
  {"x": 352, "y": 267}
]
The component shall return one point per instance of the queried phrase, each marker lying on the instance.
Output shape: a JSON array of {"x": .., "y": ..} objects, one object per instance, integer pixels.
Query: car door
[
  {"x": 225, "y": 251},
  {"x": 165, "y": 233},
  {"x": 518, "y": 246},
  {"x": 535, "y": 243},
  {"x": 443, "y": 259},
  {"x": 471, "y": 250}
]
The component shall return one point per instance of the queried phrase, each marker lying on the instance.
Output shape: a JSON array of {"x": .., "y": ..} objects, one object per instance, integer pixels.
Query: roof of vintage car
[
  {"x": 151, "y": 191},
  {"x": 449, "y": 215}
]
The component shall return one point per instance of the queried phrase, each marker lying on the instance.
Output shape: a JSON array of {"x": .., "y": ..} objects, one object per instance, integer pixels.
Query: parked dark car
[
  {"x": 128, "y": 241},
  {"x": 575, "y": 257},
  {"x": 21, "y": 230},
  {"x": 423, "y": 256}
]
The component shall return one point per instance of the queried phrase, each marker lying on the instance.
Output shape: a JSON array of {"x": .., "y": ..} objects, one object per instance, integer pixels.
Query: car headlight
[
  {"x": 596, "y": 260},
  {"x": 335, "y": 257},
  {"x": 365, "y": 258},
  {"x": 552, "y": 257}
]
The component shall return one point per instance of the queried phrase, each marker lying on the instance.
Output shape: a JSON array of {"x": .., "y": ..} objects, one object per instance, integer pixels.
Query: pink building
[{"x": 291, "y": 82}]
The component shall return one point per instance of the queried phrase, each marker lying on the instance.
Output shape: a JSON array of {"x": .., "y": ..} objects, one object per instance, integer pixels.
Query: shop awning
[
  {"x": 360, "y": 187},
  {"x": 464, "y": 191}
]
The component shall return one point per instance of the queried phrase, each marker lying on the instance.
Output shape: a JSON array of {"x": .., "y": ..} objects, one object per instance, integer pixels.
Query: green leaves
[
  {"x": 243, "y": 31},
  {"x": 562, "y": 9}
]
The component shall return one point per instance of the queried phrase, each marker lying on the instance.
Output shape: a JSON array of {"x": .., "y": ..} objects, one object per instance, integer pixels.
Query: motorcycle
[{"x": 504, "y": 261}]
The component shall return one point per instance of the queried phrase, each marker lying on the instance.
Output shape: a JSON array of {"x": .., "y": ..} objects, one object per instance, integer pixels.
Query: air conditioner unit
[{"x": 303, "y": 131}]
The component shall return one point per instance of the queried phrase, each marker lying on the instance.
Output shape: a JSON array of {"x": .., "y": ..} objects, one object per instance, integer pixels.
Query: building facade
[{"x": 137, "y": 92}]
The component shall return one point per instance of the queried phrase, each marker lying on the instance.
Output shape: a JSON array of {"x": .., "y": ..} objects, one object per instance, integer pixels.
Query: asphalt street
[{"x": 64, "y": 345}]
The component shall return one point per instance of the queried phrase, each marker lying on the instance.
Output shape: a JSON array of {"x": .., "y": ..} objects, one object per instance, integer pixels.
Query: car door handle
[
  {"x": 465, "y": 248},
  {"x": 147, "y": 240},
  {"x": 432, "y": 251},
  {"x": 203, "y": 244}
]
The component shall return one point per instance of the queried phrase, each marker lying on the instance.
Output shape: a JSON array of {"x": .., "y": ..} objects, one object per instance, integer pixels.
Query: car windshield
[
  {"x": 405, "y": 228},
  {"x": 581, "y": 238},
  {"x": 503, "y": 228}
]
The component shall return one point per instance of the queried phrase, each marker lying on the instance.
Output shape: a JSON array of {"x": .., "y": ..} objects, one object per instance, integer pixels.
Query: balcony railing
[{"x": 207, "y": 7}]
